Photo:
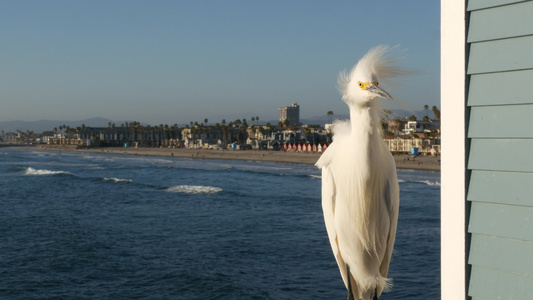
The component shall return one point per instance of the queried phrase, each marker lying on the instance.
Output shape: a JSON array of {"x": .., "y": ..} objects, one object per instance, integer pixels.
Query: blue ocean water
[{"x": 102, "y": 226}]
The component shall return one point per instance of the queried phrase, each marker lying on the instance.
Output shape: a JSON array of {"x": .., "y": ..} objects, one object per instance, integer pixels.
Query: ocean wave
[
  {"x": 436, "y": 183},
  {"x": 315, "y": 176},
  {"x": 194, "y": 189},
  {"x": 117, "y": 179},
  {"x": 32, "y": 171},
  {"x": 41, "y": 153},
  {"x": 426, "y": 182}
]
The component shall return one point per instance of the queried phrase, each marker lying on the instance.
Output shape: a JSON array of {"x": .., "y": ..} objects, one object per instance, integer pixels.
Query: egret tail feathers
[{"x": 369, "y": 292}]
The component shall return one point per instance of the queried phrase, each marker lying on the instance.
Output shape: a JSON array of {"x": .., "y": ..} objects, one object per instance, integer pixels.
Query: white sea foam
[
  {"x": 40, "y": 153},
  {"x": 194, "y": 189},
  {"x": 315, "y": 176},
  {"x": 117, "y": 179},
  {"x": 426, "y": 182},
  {"x": 32, "y": 171},
  {"x": 430, "y": 183}
]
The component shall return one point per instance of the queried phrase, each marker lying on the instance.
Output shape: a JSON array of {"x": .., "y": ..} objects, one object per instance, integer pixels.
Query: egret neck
[{"x": 364, "y": 120}]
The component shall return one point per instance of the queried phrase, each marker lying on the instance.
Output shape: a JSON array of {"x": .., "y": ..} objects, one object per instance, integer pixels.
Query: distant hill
[
  {"x": 44, "y": 125},
  {"x": 325, "y": 119}
]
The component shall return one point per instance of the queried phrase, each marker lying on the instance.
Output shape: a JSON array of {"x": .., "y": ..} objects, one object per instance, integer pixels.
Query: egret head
[{"x": 363, "y": 84}]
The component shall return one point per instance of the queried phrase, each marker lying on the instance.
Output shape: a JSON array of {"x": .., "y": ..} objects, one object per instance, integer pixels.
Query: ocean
[{"x": 102, "y": 226}]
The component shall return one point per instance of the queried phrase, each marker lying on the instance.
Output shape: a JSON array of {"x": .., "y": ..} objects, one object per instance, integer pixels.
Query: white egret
[{"x": 360, "y": 192}]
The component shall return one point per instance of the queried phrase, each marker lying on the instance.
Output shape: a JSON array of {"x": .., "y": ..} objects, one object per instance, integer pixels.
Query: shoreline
[{"x": 403, "y": 161}]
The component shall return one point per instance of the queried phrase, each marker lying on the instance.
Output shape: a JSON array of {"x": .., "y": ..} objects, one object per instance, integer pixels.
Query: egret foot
[
  {"x": 350, "y": 292},
  {"x": 350, "y": 296}
]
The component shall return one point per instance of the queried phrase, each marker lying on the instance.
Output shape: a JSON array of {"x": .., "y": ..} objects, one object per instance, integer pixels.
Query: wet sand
[{"x": 402, "y": 161}]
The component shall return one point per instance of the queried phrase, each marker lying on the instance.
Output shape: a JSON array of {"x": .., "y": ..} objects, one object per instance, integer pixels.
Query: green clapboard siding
[
  {"x": 502, "y": 254},
  {"x": 501, "y": 55},
  {"x": 500, "y": 121},
  {"x": 501, "y": 88},
  {"x": 480, "y": 4},
  {"x": 501, "y": 155},
  {"x": 501, "y": 22},
  {"x": 500, "y": 187},
  {"x": 508, "y": 221},
  {"x": 488, "y": 284},
  {"x": 494, "y": 187}
]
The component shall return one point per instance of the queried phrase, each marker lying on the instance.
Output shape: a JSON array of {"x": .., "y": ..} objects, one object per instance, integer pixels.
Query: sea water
[{"x": 106, "y": 226}]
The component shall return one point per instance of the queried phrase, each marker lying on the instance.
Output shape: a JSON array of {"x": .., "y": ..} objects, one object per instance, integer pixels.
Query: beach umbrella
[
  {"x": 299, "y": 147},
  {"x": 314, "y": 148},
  {"x": 325, "y": 147},
  {"x": 319, "y": 148}
]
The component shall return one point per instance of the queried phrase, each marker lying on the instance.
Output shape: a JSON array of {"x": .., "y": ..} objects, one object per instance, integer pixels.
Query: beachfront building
[
  {"x": 487, "y": 170},
  {"x": 424, "y": 146},
  {"x": 395, "y": 126},
  {"x": 134, "y": 135},
  {"x": 290, "y": 113},
  {"x": 201, "y": 137},
  {"x": 420, "y": 127}
]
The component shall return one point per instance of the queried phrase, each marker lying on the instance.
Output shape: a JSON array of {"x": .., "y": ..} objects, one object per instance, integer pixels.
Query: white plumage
[{"x": 360, "y": 192}]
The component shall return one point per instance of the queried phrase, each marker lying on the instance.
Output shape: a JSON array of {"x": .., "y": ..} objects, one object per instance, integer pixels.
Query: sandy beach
[{"x": 402, "y": 161}]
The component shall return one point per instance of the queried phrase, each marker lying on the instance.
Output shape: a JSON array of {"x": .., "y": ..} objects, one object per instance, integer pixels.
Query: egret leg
[
  {"x": 350, "y": 291},
  {"x": 376, "y": 294}
]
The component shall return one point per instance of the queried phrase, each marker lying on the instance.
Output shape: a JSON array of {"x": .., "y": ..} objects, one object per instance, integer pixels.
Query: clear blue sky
[{"x": 180, "y": 61}]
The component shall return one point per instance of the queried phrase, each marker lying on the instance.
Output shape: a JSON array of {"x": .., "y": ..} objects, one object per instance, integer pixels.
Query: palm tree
[
  {"x": 252, "y": 130},
  {"x": 140, "y": 133},
  {"x": 412, "y": 118},
  {"x": 242, "y": 134},
  {"x": 426, "y": 107},
  {"x": 330, "y": 114},
  {"x": 436, "y": 112},
  {"x": 224, "y": 133},
  {"x": 174, "y": 130}
]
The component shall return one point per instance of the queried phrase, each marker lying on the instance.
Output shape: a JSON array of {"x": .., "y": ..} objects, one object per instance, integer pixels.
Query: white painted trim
[{"x": 453, "y": 194}]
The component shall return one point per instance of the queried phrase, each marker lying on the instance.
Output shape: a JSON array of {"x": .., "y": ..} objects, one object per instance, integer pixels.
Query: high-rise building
[{"x": 290, "y": 113}]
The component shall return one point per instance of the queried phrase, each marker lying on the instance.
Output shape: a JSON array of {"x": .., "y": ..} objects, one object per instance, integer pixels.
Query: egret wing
[
  {"x": 392, "y": 199},
  {"x": 328, "y": 207}
]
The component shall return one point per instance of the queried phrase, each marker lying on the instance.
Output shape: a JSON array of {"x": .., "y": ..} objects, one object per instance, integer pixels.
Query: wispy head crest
[{"x": 378, "y": 62}]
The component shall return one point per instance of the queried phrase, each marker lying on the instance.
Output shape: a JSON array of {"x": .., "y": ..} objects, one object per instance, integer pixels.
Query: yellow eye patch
[{"x": 365, "y": 85}]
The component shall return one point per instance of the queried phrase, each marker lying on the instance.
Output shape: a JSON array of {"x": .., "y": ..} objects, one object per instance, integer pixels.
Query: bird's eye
[
  {"x": 360, "y": 84},
  {"x": 377, "y": 82}
]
